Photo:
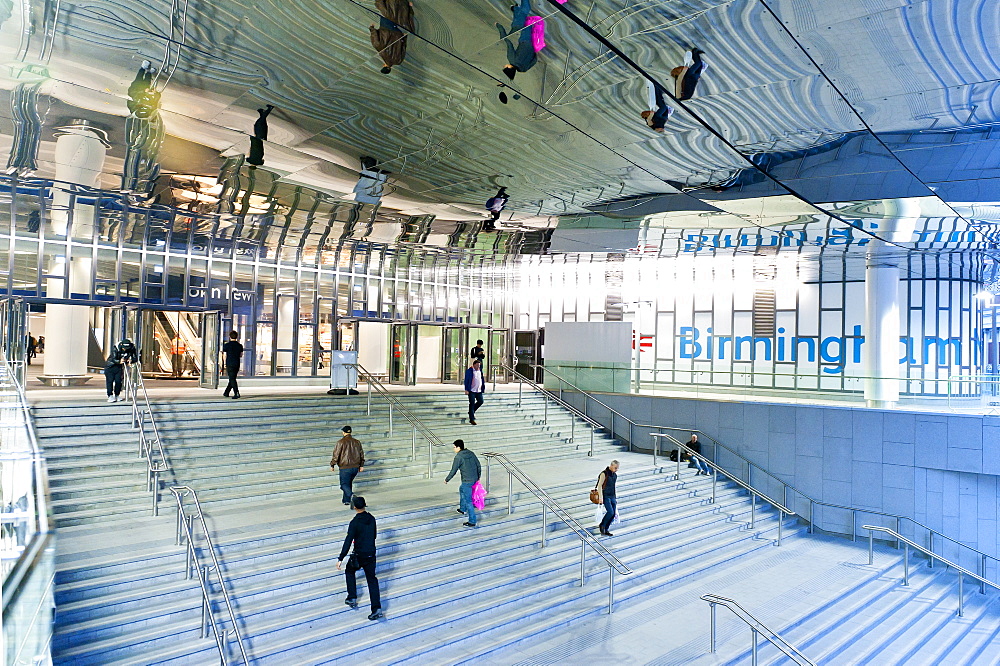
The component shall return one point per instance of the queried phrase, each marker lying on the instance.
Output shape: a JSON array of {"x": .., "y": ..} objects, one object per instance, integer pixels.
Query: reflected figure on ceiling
[
  {"x": 495, "y": 205},
  {"x": 256, "y": 156},
  {"x": 143, "y": 134},
  {"x": 524, "y": 56},
  {"x": 686, "y": 76},
  {"x": 143, "y": 98},
  {"x": 371, "y": 182},
  {"x": 389, "y": 39},
  {"x": 658, "y": 112}
]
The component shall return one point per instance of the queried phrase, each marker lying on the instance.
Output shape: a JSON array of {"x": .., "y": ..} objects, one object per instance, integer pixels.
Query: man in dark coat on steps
[{"x": 361, "y": 532}]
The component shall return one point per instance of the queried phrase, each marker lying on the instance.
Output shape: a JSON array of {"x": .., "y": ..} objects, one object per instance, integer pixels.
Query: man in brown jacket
[
  {"x": 389, "y": 39},
  {"x": 350, "y": 458}
]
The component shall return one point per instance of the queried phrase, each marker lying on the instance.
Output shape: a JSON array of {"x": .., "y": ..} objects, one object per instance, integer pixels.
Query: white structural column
[
  {"x": 80, "y": 153},
  {"x": 285, "y": 335},
  {"x": 882, "y": 306}
]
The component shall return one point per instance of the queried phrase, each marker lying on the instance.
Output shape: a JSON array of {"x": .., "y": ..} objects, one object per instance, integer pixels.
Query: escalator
[{"x": 176, "y": 344}]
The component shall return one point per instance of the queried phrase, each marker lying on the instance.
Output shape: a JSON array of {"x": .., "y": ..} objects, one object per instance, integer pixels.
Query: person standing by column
[
  {"x": 350, "y": 458},
  {"x": 606, "y": 488},
  {"x": 468, "y": 464},
  {"x": 362, "y": 533},
  {"x": 234, "y": 356},
  {"x": 475, "y": 386}
]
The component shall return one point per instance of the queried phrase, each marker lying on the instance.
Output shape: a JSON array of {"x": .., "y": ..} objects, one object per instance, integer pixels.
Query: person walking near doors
[
  {"x": 478, "y": 351},
  {"x": 468, "y": 465},
  {"x": 32, "y": 347},
  {"x": 350, "y": 458},
  {"x": 234, "y": 355},
  {"x": 606, "y": 489},
  {"x": 475, "y": 386},
  {"x": 362, "y": 533}
]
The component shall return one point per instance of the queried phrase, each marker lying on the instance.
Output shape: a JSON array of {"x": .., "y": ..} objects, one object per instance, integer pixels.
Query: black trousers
[
  {"x": 367, "y": 563},
  {"x": 113, "y": 377},
  {"x": 232, "y": 372}
]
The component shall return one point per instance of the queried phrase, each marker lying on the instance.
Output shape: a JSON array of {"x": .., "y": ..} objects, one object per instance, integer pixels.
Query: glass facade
[{"x": 281, "y": 278}]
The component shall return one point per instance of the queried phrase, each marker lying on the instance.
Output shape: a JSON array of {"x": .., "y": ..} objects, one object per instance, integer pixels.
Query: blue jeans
[
  {"x": 465, "y": 501},
  {"x": 610, "y": 507},
  {"x": 475, "y": 402},
  {"x": 700, "y": 465},
  {"x": 346, "y": 480}
]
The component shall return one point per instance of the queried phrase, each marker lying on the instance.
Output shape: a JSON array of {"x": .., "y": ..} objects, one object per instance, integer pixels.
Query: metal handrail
[
  {"x": 549, "y": 395},
  {"x": 549, "y": 504},
  {"x": 133, "y": 386},
  {"x": 754, "y": 493},
  {"x": 185, "y": 531},
  {"x": 962, "y": 571},
  {"x": 394, "y": 403},
  {"x": 541, "y": 389},
  {"x": 756, "y": 627},
  {"x": 785, "y": 485},
  {"x": 40, "y": 540}
]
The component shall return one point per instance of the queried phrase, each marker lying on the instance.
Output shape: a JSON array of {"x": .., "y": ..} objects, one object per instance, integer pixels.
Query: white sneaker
[
  {"x": 112, "y": 398},
  {"x": 118, "y": 398}
]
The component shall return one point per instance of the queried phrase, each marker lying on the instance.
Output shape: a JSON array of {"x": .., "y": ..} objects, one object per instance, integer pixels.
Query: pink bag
[
  {"x": 478, "y": 496},
  {"x": 537, "y": 25}
]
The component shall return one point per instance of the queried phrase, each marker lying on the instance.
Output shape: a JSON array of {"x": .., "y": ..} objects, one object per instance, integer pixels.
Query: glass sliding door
[
  {"x": 210, "y": 332},
  {"x": 403, "y": 354},
  {"x": 454, "y": 355},
  {"x": 498, "y": 356}
]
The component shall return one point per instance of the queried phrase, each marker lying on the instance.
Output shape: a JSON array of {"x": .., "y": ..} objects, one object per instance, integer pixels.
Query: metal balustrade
[
  {"x": 587, "y": 540},
  {"x": 186, "y": 522},
  {"x": 757, "y": 628}
]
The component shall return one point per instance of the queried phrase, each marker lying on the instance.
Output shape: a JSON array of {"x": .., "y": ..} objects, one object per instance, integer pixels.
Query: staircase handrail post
[
  {"x": 757, "y": 629},
  {"x": 907, "y": 544}
]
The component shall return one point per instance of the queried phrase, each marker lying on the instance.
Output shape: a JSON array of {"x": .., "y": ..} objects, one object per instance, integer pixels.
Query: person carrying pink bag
[{"x": 478, "y": 496}]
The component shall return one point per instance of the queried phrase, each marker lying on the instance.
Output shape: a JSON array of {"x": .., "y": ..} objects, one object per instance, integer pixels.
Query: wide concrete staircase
[{"x": 450, "y": 594}]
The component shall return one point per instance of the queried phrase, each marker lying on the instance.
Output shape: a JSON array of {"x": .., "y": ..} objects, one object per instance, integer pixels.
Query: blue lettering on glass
[{"x": 832, "y": 350}]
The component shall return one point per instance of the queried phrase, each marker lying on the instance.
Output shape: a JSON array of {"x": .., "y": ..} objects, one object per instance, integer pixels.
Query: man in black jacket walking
[
  {"x": 234, "y": 355},
  {"x": 361, "y": 532}
]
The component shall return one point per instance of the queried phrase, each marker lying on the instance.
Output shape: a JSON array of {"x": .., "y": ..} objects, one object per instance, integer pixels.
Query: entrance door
[
  {"x": 210, "y": 330},
  {"x": 499, "y": 355},
  {"x": 347, "y": 335},
  {"x": 526, "y": 353},
  {"x": 403, "y": 354},
  {"x": 14, "y": 335},
  {"x": 454, "y": 361}
]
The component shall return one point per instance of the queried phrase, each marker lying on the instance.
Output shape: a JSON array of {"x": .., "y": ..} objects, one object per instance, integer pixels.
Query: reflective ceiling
[{"x": 806, "y": 107}]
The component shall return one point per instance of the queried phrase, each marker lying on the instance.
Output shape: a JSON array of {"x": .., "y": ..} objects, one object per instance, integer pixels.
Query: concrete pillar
[
  {"x": 80, "y": 153},
  {"x": 285, "y": 335},
  {"x": 882, "y": 307}
]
